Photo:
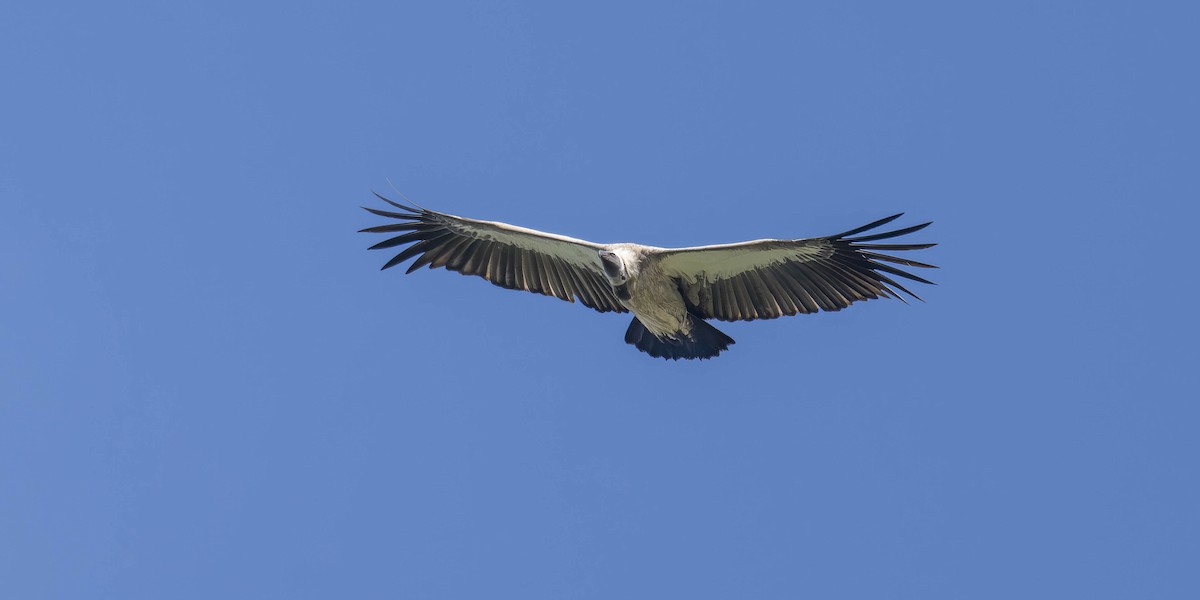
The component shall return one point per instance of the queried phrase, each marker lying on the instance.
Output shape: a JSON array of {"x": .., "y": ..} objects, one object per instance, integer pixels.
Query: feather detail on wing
[
  {"x": 508, "y": 256},
  {"x": 765, "y": 279}
]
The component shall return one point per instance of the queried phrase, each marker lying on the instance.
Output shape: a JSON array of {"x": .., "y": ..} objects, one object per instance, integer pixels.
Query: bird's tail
[{"x": 704, "y": 341}]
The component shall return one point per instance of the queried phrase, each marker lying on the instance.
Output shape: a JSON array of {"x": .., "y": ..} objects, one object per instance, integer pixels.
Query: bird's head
[{"x": 614, "y": 267}]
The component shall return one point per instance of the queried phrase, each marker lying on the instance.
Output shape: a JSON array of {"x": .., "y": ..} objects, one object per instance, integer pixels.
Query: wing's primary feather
[
  {"x": 765, "y": 279},
  {"x": 508, "y": 256}
]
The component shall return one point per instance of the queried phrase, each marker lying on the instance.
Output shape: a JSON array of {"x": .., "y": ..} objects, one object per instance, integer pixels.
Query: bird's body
[
  {"x": 670, "y": 291},
  {"x": 656, "y": 302},
  {"x": 652, "y": 297}
]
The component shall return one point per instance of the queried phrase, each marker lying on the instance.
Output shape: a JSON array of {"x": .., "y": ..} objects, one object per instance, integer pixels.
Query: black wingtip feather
[
  {"x": 394, "y": 227},
  {"x": 391, "y": 215},
  {"x": 421, "y": 261},
  {"x": 407, "y": 253},
  {"x": 411, "y": 236},
  {"x": 893, "y": 247},
  {"x": 897, "y": 260},
  {"x": 398, "y": 205},
  {"x": 888, "y": 234},
  {"x": 899, "y": 272},
  {"x": 858, "y": 256},
  {"x": 868, "y": 226}
]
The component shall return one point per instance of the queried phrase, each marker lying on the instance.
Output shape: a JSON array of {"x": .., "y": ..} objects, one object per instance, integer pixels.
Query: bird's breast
[{"x": 656, "y": 302}]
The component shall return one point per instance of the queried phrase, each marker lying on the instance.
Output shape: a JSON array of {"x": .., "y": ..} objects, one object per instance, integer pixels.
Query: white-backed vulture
[{"x": 670, "y": 291}]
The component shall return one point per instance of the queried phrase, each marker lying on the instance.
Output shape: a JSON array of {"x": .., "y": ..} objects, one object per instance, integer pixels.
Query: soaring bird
[{"x": 670, "y": 291}]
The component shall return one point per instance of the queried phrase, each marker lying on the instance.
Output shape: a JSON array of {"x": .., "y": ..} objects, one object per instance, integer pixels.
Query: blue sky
[{"x": 208, "y": 389}]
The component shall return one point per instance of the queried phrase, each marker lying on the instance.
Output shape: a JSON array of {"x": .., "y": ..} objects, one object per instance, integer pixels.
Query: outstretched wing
[
  {"x": 508, "y": 256},
  {"x": 765, "y": 279}
]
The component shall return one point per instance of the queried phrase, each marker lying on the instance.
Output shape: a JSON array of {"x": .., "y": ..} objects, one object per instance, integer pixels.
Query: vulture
[{"x": 672, "y": 292}]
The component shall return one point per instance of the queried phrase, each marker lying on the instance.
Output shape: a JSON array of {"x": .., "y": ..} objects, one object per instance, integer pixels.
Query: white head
[{"x": 614, "y": 267}]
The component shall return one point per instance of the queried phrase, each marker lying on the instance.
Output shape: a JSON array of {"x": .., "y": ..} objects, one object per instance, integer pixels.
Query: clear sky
[{"x": 209, "y": 390}]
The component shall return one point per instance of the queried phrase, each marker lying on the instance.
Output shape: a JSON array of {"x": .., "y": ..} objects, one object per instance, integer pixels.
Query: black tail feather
[{"x": 704, "y": 341}]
